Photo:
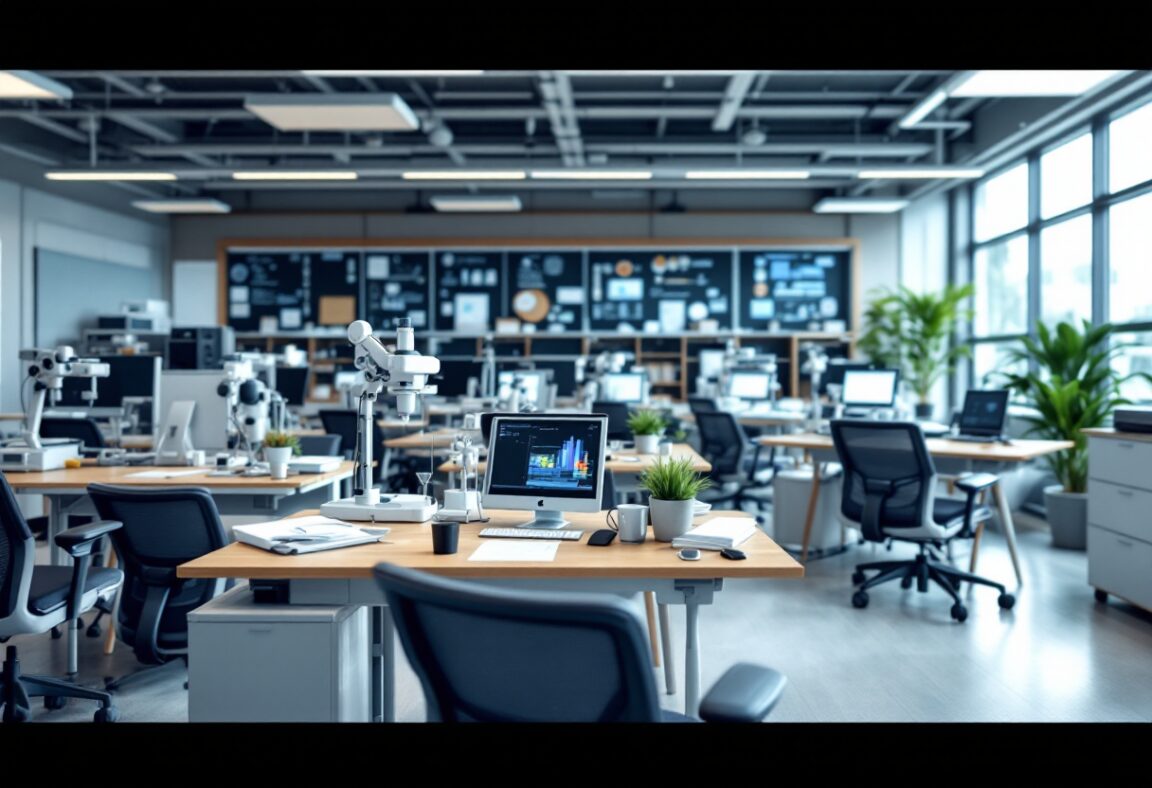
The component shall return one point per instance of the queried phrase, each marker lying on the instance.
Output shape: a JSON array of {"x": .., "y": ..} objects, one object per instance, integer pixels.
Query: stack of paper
[
  {"x": 718, "y": 534},
  {"x": 304, "y": 535}
]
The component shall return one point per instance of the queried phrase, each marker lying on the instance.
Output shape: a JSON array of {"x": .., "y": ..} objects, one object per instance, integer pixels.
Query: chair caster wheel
[
  {"x": 1006, "y": 601},
  {"x": 94, "y": 631},
  {"x": 106, "y": 714},
  {"x": 1101, "y": 596},
  {"x": 858, "y": 577},
  {"x": 906, "y": 582},
  {"x": 14, "y": 713},
  {"x": 56, "y": 633},
  {"x": 959, "y": 612},
  {"x": 860, "y": 599},
  {"x": 55, "y": 703}
]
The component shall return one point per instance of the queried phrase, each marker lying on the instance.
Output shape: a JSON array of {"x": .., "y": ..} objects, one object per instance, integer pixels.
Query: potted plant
[
  {"x": 647, "y": 426},
  {"x": 912, "y": 332},
  {"x": 278, "y": 449},
  {"x": 672, "y": 486},
  {"x": 1073, "y": 387}
]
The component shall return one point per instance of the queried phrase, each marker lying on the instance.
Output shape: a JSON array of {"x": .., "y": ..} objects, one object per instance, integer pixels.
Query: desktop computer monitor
[
  {"x": 630, "y": 387},
  {"x": 546, "y": 465},
  {"x": 210, "y": 419},
  {"x": 711, "y": 364},
  {"x": 292, "y": 383},
  {"x": 749, "y": 385},
  {"x": 128, "y": 376},
  {"x": 837, "y": 369},
  {"x": 984, "y": 413},
  {"x": 534, "y": 381},
  {"x": 870, "y": 388}
]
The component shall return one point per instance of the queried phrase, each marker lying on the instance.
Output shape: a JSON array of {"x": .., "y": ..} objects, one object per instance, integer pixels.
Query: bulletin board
[
  {"x": 469, "y": 289},
  {"x": 546, "y": 289},
  {"x": 292, "y": 290},
  {"x": 397, "y": 284}
]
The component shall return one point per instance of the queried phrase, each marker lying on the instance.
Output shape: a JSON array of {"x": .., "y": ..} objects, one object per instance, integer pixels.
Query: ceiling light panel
[
  {"x": 401, "y": 73},
  {"x": 30, "y": 85},
  {"x": 109, "y": 175},
  {"x": 918, "y": 173},
  {"x": 859, "y": 205},
  {"x": 205, "y": 205},
  {"x": 746, "y": 175},
  {"x": 463, "y": 175},
  {"x": 475, "y": 203},
  {"x": 333, "y": 111},
  {"x": 1030, "y": 83},
  {"x": 593, "y": 175},
  {"x": 301, "y": 175}
]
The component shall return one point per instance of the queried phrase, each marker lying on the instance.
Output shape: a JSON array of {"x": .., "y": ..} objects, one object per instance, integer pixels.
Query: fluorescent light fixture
[
  {"x": 1030, "y": 83},
  {"x": 651, "y": 72},
  {"x": 470, "y": 202},
  {"x": 464, "y": 175},
  {"x": 593, "y": 175},
  {"x": 401, "y": 73},
  {"x": 746, "y": 175},
  {"x": 98, "y": 175},
  {"x": 858, "y": 205},
  {"x": 30, "y": 85},
  {"x": 923, "y": 172},
  {"x": 187, "y": 205},
  {"x": 333, "y": 111},
  {"x": 922, "y": 110},
  {"x": 300, "y": 175}
]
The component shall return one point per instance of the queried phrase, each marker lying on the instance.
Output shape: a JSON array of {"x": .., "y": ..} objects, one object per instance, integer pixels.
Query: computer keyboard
[{"x": 531, "y": 533}]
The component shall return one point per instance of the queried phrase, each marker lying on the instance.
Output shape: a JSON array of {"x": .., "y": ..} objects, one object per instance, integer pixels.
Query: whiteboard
[{"x": 194, "y": 293}]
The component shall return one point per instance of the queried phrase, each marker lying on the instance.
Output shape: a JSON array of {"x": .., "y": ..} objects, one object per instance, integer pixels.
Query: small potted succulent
[
  {"x": 647, "y": 426},
  {"x": 278, "y": 450},
  {"x": 672, "y": 486}
]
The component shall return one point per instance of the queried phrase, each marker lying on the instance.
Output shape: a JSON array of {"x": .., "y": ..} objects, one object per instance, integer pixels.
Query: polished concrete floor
[{"x": 1058, "y": 656}]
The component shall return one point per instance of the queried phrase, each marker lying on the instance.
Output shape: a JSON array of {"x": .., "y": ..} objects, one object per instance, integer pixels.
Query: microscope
[
  {"x": 403, "y": 373},
  {"x": 253, "y": 408},
  {"x": 48, "y": 367}
]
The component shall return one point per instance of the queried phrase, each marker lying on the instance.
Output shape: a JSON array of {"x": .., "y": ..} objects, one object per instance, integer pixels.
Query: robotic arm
[{"x": 48, "y": 368}]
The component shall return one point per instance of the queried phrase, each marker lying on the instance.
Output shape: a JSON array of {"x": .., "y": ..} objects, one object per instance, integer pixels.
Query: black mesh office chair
[
  {"x": 84, "y": 430},
  {"x": 323, "y": 445},
  {"x": 343, "y": 423},
  {"x": 702, "y": 405},
  {"x": 724, "y": 444},
  {"x": 34, "y": 599},
  {"x": 163, "y": 528},
  {"x": 617, "y": 413},
  {"x": 889, "y": 479},
  {"x": 497, "y": 655}
]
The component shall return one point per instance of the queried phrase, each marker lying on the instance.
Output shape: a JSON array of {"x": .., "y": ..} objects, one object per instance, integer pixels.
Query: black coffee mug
[{"x": 445, "y": 537}]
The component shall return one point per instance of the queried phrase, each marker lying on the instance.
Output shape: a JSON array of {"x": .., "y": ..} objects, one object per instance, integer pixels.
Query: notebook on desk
[
  {"x": 718, "y": 534},
  {"x": 304, "y": 535}
]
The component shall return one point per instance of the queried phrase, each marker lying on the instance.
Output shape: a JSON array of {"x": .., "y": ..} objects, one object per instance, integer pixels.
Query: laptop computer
[{"x": 982, "y": 419}]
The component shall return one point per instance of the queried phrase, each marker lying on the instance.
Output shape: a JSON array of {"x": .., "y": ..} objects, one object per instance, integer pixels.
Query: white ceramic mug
[{"x": 632, "y": 522}]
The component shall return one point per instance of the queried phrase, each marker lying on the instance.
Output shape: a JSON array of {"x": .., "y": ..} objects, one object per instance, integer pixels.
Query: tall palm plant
[
  {"x": 913, "y": 331},
  {"x": 1073, "y": 388}
]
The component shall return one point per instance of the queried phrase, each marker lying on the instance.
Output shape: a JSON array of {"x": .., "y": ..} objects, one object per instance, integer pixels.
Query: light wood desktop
[
  {"x": 624, "y": 461},
  {"x": 1015, "y": 451},
  {"x": 345, "y": 576}
]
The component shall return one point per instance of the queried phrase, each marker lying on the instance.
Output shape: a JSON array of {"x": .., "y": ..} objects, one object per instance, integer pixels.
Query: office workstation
[{"x": 575, "y": 396}]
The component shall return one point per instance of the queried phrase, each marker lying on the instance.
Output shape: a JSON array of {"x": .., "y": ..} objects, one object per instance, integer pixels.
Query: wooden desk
[
  {"x": 345, "y": 576},
  {"x": 823, "y": 452},
  {"x": 66, "y": 490},
  {"x": 625, "y": 461}
]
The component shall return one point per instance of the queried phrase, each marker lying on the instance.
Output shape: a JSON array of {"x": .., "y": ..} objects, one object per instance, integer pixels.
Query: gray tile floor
[{"x": 1058, "y": 656}]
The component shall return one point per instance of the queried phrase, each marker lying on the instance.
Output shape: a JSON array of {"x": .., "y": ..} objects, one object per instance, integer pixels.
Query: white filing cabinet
[
  {"x": 1120, "y": 516},
  {"x": 255, "y": 662},
  {"x": 792, "y": 489}
]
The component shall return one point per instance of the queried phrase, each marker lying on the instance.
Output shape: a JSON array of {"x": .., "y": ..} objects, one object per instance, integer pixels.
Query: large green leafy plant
[
  {"x": 673, "y": 480},
  {"x": 912, "y": 332},
  {"x": 1073, "y": 387}
]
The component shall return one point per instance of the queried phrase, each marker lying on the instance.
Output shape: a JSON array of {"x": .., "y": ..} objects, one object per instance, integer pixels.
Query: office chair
[
  {"x": 617, "y": 413},
  {"x": 888, "y": 482},
  {"x": 724, "y": 444},
  {"x": 702, "y": 405},
  {"x": 343, "y": 423},
  {"x": 84, "y": 430},
  {"x": 324, "y": 445},
  {"x": 34, "y": 599},
  {"x": 501, "y": 655},
  {"x": 162, "y": 528}
]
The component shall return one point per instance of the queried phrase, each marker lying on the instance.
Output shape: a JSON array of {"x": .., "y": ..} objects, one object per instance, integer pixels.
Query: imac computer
[
  {"x": 749, "y": 385},
  {"x": 837, "y": 369},
  {"x": 534, "y": 382},
  {"x": 128, "y": 376},
  {"x": 210, "y": 425},
  {"x": 546, "y": 465},
  {"x": 866, "y": 389},
  {"x": 630, "y": 387}
]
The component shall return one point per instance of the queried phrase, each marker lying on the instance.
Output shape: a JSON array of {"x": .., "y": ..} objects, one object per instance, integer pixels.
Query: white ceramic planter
[
  {"x": 1067, "y": 517},
  {"x": 278, "y": 458},
  {"x": 647, "y": 444},
  {"x": 670, "y": 518}
]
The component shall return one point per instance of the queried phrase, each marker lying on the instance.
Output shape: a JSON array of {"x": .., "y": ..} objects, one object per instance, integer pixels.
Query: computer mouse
[
  {"x": 689, "y": 554},
  {"x": 732, "y": 554},
  {"x": 602, "y": 537}
]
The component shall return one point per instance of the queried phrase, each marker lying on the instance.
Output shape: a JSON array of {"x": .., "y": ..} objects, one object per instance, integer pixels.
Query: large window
[
  {"x": 1000, "y": 278},
  {"x": 1066, "y": 177},
  {"x": 1002, "y": 203},
  {"x": 1130, "y": 149},
  {"x": 1137, "y": 358},
  {"x": 1130, "y": 260},
  {"x": 1066, "y": 271},
  {"x": 991, "y": 358}
]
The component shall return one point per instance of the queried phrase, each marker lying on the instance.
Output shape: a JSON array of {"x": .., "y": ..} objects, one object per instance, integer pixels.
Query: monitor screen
[
  {"x": 836, "y": 371},
  {"x": 871, "y": 388},
  {"x": 210, "y": 419},
  {"x": 623, "y": 387},
  {"x": 532, "y": 382},
  {"x": 984, "y": 412},
  {"x": 292, "y": 383},
  {"x": 749, "y": 385},
  {"x": 546, "y": 458},
  {"x": 128, "y": 376},
  {"x": 711, "y": 363}
]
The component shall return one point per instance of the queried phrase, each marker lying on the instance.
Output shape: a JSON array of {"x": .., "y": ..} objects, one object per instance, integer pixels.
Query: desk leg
[
  {"x": 975, "y": 548},
  {"x": 383, "y": 661},
  {"x": 55, "y": 526},
  {"x": 1009, "y": 528},
  {"x": 650, "y": 611},
  {"x": 691, "y": 655},
  {"x": 813, "y": 497},
  {"x": 666, "y": 641},
  {"x": 110, "y": 638}
]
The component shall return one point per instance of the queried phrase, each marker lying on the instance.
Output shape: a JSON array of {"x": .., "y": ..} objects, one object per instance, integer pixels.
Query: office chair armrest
[
  {"x": 975, "y": 482},
  {"x": 78, "y": 541},
  {"x": 745, "y": 693}
]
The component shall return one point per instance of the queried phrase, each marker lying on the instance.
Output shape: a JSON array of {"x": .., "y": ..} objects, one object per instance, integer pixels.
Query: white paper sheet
[
  {"x": 516, "y": 550},
  {"x": 164, "y": 474}
]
